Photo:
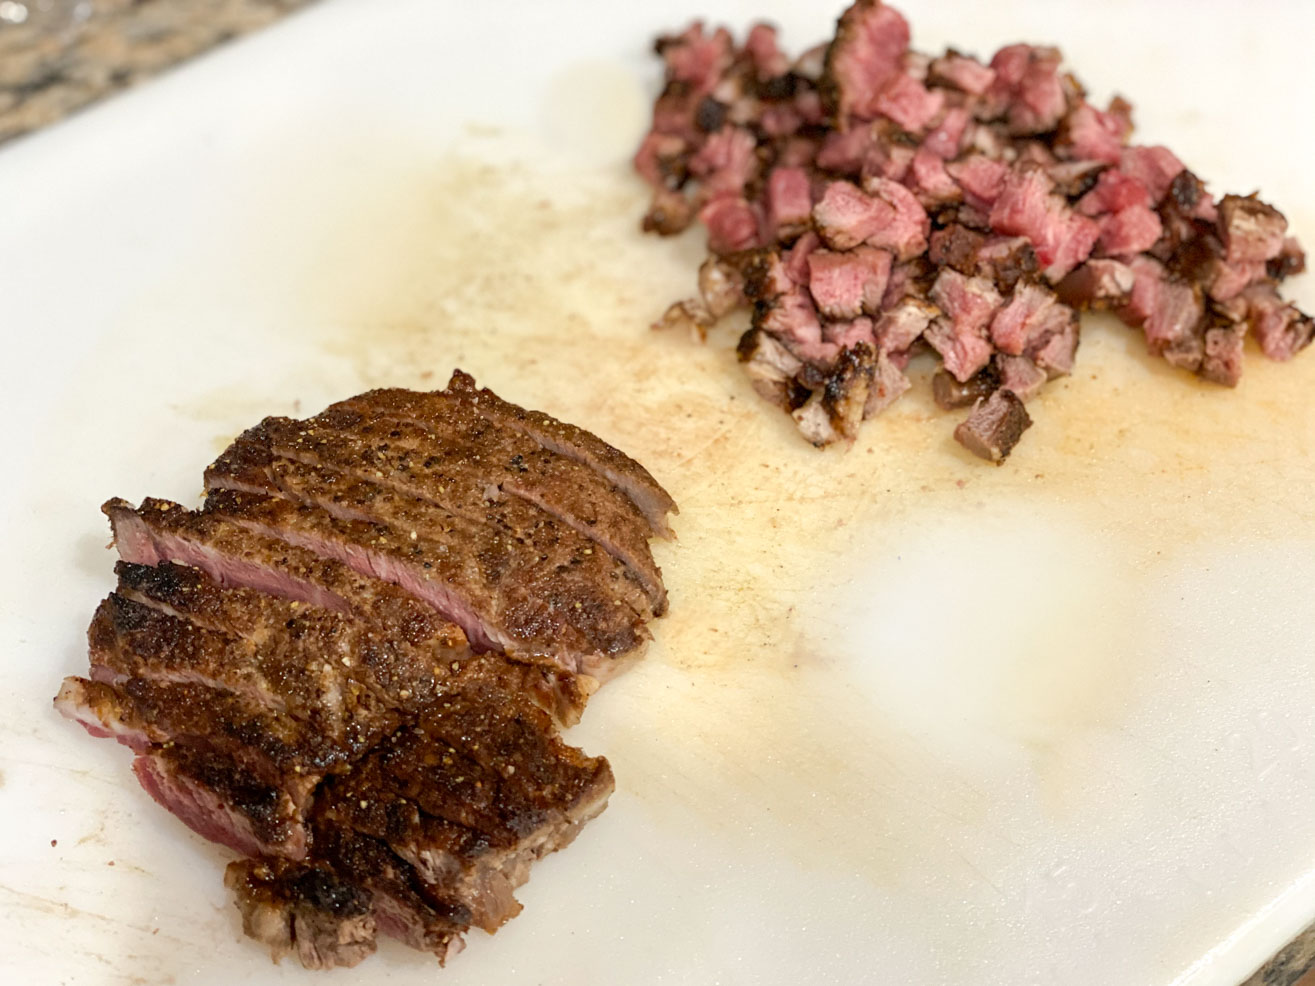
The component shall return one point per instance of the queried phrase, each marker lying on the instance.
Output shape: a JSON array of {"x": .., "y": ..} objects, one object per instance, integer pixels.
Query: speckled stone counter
[
  {"x": 1293, "y": 966},
  {"x": 56, "y": 56}
]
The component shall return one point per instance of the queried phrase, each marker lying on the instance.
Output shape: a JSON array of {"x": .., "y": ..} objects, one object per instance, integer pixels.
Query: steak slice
[
  {"x": 331, "y": 910},
  {"x": 488, "y": 522},
  {"x": 226, "y": 800},
  {"x": 1098, "y": 284},
  {"x": 305, "y": 660},
  {"x": 471, "y": 795},
  {"x": 573, "y": 443},
  {"x": 463, "y": 464},
  {"x": 220, "y": 801},
  {"x": 771, "y": 366},
  {"x": 327, "y": 921},
  {"x": 132, "y": 640},
  {"x": 141, "y": 713},
  {"x": 962, "y": 338},
  {"x": 238, "y": 773},
  {"x": 497, "y": 590},
  {"x": 865, "y": 57},
  {"x": 1251, "y": 230},
  {"x": 435, "y": 828},
  {"x": 253, "y": 791},
  {"x": 234, "y": 555}
]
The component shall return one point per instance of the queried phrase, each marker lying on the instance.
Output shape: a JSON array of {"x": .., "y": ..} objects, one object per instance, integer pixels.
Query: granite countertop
[
  {"x": 1293, "y": 966},
  {"x": 57, "y": 56}
]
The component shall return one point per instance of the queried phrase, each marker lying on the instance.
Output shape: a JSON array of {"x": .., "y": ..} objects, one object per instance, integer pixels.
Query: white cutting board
[{"x": 913, "y": 719}]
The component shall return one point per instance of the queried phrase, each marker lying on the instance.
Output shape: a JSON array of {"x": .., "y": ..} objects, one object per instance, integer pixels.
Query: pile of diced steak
[
  {"x": 349, "y": 666},
  {"x": 871, "y": 203}
]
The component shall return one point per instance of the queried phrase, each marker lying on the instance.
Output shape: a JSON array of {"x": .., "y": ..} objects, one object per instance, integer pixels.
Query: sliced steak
[
  {"x": 889, "y": 383},
  {"x": 1020, "y": 376},
  {"x": 1154, "y": 166},
  {"x": 305, "y": 673},
  {"x": 902, "y": 325},
  {"x": 950, "y": 393},
  {"x": 721, "y": 287},
  {"x": 789, "y": 202},
  {"x": 434, "y": 829},
  {"x": 1007, "y": 260},
  {"x": 793, "y": 319},
  {"x": 883, "y": 214},
  {"x": 1032, "y": 314},
  {"x": 962, "y": 72},
  {"x": 232, "y": 555},
  {"x": 303, "y": 660},
  {"x": 733, "y": 224},
  {"x": 279, "y": 665},
  {"x": 1291, "y": 260},
  {"x": 1170, "y": 312},
  {"x": 1027, "y": 206},
  {"x": 1096, "y": 135},
  {"x": 1129, "y": 231},
  {"x": 144, "y": 715},
  {"x": 1222, "y": 362},
  {"x": 1027, "y": 83}
]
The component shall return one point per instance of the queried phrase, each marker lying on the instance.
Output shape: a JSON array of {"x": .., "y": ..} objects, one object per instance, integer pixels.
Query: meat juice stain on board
[{"x": 536, "y": 280}]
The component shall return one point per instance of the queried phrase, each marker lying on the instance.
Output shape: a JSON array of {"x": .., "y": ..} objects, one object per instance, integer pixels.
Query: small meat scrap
[
  {"x": 350, "y": 666},
  {"x": 868, "y": 203},
  {"x": 994, "y": 426}
]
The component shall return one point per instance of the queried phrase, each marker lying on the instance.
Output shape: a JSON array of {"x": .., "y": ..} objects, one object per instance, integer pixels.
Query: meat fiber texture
[
  {"x": 350, "y": 665},
  {"x": 870, "y": 203}
]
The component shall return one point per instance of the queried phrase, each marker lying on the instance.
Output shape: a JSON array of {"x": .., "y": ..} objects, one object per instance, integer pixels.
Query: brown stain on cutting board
[{"x": 538, "y": 282}]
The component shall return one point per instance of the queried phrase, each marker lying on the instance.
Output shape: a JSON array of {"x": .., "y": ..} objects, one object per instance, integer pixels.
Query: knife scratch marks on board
[
  {"x": 52, "y": 906},
  {"x": 717, "y": 439},
  {"x": 96, "y": 836}
]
